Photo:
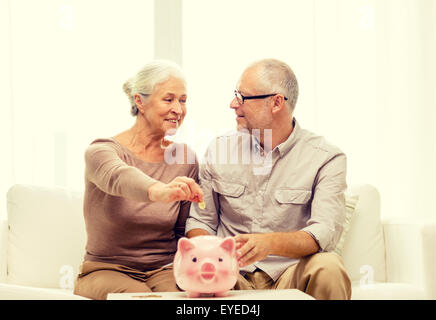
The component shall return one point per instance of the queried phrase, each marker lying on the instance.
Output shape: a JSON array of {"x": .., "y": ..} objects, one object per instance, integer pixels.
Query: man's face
[{"x": 252, "y": 114}]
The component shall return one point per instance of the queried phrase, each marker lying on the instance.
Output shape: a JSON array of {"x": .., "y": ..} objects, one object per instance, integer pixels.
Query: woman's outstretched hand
[{"x": 180, "y": 189}]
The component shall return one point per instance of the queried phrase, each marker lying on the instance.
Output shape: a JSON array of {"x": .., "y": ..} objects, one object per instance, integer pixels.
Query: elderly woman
[{"x": 136, "y": 203}]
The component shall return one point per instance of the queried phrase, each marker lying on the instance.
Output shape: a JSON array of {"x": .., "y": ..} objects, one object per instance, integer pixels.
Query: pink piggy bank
[{"x": 206, "y": 264}]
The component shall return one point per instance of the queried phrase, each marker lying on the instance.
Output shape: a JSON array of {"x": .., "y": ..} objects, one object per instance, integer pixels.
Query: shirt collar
[
  {"x": 286, "y": 145},
  {"x": 290, "y": 142}
]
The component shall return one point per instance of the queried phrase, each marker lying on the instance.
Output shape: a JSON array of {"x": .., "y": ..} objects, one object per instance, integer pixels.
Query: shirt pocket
[
  {"x": 292, "y": 196},
  {"x": 291, "y": 210},
  {"x": 228, "y": 189},
  {"x": 232, "y": 199}
]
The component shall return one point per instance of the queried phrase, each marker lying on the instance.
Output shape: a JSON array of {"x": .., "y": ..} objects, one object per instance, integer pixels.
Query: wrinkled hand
[
  {"x": 252, "y": 247},
  {"x": 180, "y": 189}
]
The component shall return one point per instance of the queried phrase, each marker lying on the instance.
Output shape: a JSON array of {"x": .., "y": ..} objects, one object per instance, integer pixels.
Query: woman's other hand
[{"x": 179, "y": 189}]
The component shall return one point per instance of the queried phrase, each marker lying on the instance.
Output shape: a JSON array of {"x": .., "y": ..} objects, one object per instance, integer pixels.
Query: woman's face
[{"x": 165, "y": 108}]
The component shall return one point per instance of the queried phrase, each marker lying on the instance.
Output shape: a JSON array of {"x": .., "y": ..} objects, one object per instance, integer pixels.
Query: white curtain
[
  {"x": 6, "y": 158},
  {"x": 366, "y": 70},
  {"x": 65, "y": 63}
]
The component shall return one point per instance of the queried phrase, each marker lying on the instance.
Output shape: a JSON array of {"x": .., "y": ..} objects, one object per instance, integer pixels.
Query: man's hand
[
  {"x": 252, "y": 247},
  {"x": 256, "y": 247},
  {"x": 181, "y": 188}
]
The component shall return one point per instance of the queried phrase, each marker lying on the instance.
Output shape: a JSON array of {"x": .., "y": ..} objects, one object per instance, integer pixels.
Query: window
[{"x": 69, "y": 60}]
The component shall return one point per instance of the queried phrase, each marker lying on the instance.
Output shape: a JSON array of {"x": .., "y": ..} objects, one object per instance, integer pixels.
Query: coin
[{"x": 202, "y": 205}]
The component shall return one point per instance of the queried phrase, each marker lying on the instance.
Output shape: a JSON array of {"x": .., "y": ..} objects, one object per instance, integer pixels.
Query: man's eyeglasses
[{"x": 242, "y": 98}]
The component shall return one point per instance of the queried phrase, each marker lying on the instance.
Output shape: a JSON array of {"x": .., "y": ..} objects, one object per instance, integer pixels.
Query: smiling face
[
  {"x": 165, "y": 109},
  {"x": 256, "y": 113}
]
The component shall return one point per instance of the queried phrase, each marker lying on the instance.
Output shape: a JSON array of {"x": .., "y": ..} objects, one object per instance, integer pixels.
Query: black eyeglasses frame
[{"x": 242, "y": 98}]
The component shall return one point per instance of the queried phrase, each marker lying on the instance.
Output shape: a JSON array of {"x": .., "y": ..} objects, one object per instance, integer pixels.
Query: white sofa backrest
[
  {"x": 364, "y": 248},
  {"x": 46, "y": 238},
  {"x": 3, "y": 250}
]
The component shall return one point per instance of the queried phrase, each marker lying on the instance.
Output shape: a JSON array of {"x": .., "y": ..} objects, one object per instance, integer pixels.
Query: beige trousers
[
  {"x": 97, "y": 279},
  {"x": 321, "y": 275}
]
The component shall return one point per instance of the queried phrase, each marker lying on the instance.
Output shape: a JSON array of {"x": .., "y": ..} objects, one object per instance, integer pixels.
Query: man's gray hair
[
  {"x": 275, "y": 76},
  {"x": 148, "y": 77}
]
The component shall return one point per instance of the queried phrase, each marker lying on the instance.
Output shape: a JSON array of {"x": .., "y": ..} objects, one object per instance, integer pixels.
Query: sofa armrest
[
  {"x": 16, "y": 292},
  {"x": 410, "y": 254},
  {"x": 3, "y": 249},
  {"x": 429, "y": 257}
]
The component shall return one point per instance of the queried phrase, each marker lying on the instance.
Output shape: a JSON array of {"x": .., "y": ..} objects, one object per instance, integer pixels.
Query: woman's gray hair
[
  {"x": 148, "y": 77},
  {"x": 276, "y": 76}
]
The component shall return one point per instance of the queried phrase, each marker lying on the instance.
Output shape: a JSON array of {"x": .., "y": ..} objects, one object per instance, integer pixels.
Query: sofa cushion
[
  {"x": 350, "y": 207},
  {"x": 364, "y": 249},
  {"x": 46, "y": 238},
  {"x": 16, "y": 292},
  {"x": 387, "y": 291}
]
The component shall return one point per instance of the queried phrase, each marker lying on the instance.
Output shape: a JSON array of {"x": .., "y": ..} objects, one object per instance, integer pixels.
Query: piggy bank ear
[
  {"x": 228, "y": 245},
  {"x": 185, "y": 245}
]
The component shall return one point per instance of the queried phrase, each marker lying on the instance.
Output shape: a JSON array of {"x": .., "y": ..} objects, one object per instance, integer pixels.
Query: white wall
[
  {"x": 6, "y": 159},
  {"x": 221, "y": 37},
  {"x": 366, "y": 71}
]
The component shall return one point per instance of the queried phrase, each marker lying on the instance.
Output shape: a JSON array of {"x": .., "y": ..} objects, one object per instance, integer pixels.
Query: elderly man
[{"x": 277, "y": 188}]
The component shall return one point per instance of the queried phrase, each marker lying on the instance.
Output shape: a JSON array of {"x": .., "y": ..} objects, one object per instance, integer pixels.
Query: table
[{"x": 283, "y": 294}]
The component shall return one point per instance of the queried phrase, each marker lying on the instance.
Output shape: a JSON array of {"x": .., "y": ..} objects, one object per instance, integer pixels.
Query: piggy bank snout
[
  {"x": 208, "y": 267},
  {"x": 207, "y": 271}
]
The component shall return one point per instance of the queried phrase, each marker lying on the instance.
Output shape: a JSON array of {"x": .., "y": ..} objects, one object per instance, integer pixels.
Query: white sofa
[{"x": 43, "y": 241}]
